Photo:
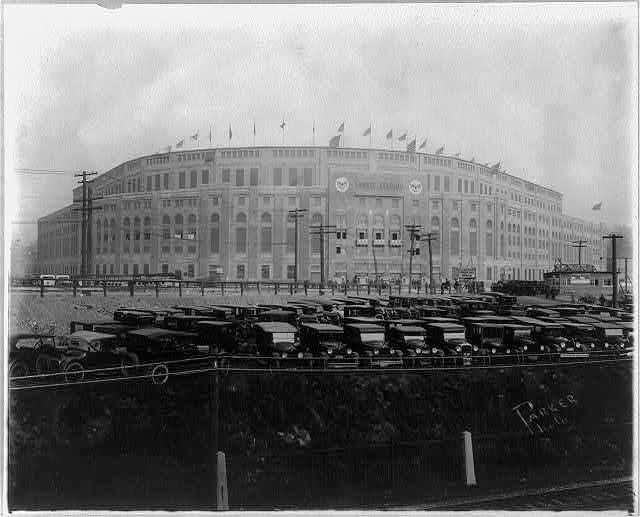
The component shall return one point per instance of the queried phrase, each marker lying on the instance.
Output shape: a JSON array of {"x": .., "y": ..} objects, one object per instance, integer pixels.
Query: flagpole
[
  {"x": 370, "y": 136},
  {"x": 313, "y": 138}
]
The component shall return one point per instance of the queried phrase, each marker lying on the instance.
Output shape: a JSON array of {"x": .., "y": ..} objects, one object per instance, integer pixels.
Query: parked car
[
  {"x": 490, "y": 337},
  {"x": 519, "y": 337},
  {"x": 159, "y": 352},
  {"x": 222, "y": 337},
  {"x": 134, "y": 317},
  {"x": 278, "y": 315},
  {"x": 368, "y": 341},
  {"x": 584, "y": 337},
  {"x": 551, "y": 336},
  {"x": 278, "y": 340},
  {"x": 612, "y": 335},
  {"x": 184, "y": 322},
  {"x": 450, "y": 337},
  {"x": 411, "y": 340},
  {"x": 326, "y": 342},
  {"x": 31, "y": 354},
  {"x": 95, "y": 354}
]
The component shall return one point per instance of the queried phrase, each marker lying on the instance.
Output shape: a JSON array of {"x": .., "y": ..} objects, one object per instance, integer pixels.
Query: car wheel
[
  {"x": 160, "y": 374},
  {"x": 74, "y": 372},
  {"x": 128, "y": 364},
  {"x": 18, "y": 369}
]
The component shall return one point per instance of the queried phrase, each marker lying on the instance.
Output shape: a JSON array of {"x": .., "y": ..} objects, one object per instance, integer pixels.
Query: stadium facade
[{"x": 224, "y": 213}]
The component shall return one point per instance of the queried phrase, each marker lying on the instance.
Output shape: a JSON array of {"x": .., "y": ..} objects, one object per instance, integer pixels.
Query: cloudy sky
[{"x": 550, "y": 91}]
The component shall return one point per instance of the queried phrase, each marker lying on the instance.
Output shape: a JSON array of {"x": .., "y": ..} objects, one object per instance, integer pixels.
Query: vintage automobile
[
  {"x": 568, "y": 310},
  {"x": 490, "y": 337},
  {"x": 612, "y": 335},
  {"x": 368, "y": 341},
  {"x": 360, "y": 310},
  {"x": 473, "y": 307},
  {"x": 426, "y": 311},
  {"x": 278, "y": 315},
  {"x": 136, "y": 318},
  {"x": 470, "y": 321},
  {"x": 278, "y": 340},
  {"x": 536, "y": 312},
  {"x": 95, "y": 354},
  {"x": 158, "y": 353},
  {"x": 326, "y": 342},
  {"x": 412, "y": 341},
  {"x": 451, "y": 339},
  {"x": 222, "y": 337},
  {"x": 184, "y": 322},
  {"x": 31, "y": 354},
  {"x": 551, "y": 336},
  {"x": 583, "y": 336}
]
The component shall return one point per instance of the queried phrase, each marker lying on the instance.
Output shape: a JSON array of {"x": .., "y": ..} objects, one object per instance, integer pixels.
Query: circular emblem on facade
[
  {"x": 415, "y": 187},
  {"x": 342, "y": 184}
]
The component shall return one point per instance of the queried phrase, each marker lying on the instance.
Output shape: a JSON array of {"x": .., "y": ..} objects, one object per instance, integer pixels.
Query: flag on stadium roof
[
  {"x": 254, "y": 128},
  {"x": 194, "y": 136},
  {"x": 496, "y": 166},
  {"x": 403, "y": 137},
  {"x": 341, "y": 128},
  {"x": 456, "y": 155},
  {"x": 597, "y": 206},
  {"x": 367, "y": 131},
  {"x": 473, "y": 160},
  {"x": 180, "y": 144},
  {"x": 390, "y": 134},
  {"x": 423, "y": 145},
  {"x": 209, "y": 134},
  {"x": 411, "y": 146},
  {"x": 335, "y": 141},
  {"x": 282, "y": 124},
  {"x": 440, "y": 151}
]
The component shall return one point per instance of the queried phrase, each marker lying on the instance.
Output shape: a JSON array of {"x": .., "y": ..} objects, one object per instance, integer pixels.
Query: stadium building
[{"x": 223, "y": 213}]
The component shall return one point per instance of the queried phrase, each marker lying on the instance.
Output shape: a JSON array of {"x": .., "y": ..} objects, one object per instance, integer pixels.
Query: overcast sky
[{"x": 550, "y": 91}]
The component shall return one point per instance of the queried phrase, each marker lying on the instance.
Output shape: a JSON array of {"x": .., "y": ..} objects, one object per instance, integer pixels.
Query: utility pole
[
  {"x": 581, "y": 243},
  {"x": 413, "y": 229},
  {"x": 85, "y": 211},
  {"x": 614, "y": 266},
  {"x": 320, "y": 231},
  {"x": 295, "y": 215},
  {"x": 430, "y": 237}
]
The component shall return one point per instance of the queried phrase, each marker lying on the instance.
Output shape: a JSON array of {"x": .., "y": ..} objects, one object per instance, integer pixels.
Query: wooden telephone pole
[
  {"x": 295, "y": 215},
  {"x": 414, "y": 231},
  {"x": 86, "y": 210},
  {"x": 430, "y": 237},
  {"x": 614, "y": 266},
  {"x": 320, "y": 231}
]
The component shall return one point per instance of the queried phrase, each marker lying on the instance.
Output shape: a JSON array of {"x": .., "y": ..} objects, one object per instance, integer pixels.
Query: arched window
[
  {"x": 126, "y": 223},
  {"x": 489, "y": 239},
  {"x": 241, "y": 233},
  {"x": 455, "y": 236},
  {"x": 136, "y": 235},
  {"x": 178, "y": 226},
  {"x": 395, "y": 221},
  {"x": 98, "y": 237},
  {"x": 363, "y": 221},
  {"x": 435, "y": 228},
  {"x": 265, "y": 233},
  {"x": 316, "y": 220},
  {"x": 113, "y": 236},
  {"x": 473, "y": 237},
  {"x": 215, "y": 233},
  {"x": 166, "y": 227},
  {"x": 378, "y": 221}
]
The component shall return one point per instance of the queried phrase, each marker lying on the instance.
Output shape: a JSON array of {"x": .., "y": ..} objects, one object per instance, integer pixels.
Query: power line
[{"x": 45, "y": 171}]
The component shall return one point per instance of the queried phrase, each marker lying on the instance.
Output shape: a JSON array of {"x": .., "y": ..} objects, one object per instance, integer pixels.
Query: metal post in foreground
[{"x": 469, "y": 467}]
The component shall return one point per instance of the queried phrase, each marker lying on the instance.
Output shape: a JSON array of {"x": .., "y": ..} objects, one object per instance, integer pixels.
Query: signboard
[
  {"x": 468, "y": 273},
  {"x": 415, "y": 187}
]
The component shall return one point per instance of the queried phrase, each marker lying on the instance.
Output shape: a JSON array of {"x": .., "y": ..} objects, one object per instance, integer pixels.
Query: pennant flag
[
  {"x": 314, "y": 127},
  {"x": 440, "y": 151},
  {"x": 496, "y": 166},
  {"x": 367, "y": 131},
  {"x": 423, "y": 145},
  {"x": 230, "y": 133},
  {"x": 335, "y": 141},
  {"x": 473, "y": 160},
  {"x": 390, "y": 134},
  {"x": 456, "y": 155},
  {"x": 209, "y": 134},
  {"x": 168, "y": 149},
  {"x": 282, "y": 124},
  {"x": 180, "y": 144},
  {"x": 411, "y": 146},
  {"x": 194, "y": 137},
  {"x": 402, "y": 138},
  {"x": 254, "y": 128},
  {"x": 341, "y": 128},
  {"x": 597, "y": 206}
]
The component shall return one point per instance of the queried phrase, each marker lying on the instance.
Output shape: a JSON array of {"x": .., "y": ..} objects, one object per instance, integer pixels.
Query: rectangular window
[
  {"x": 291, "y": 272},
  {"x": 194, "y": 179},
  {"x": 157, "y": 181},
  {"x": 149, "y": 183},
  {"x": 317, "y": 200},
  {"x": 395, "y": 203},
  {"x": 277, "y": 176},
  {"x": 145, "y": 269},
  {"x": 292, "y": 201},
  {"x": 226, "y": 175},
  {"x": 239, "y": 177},
  {"x": 436, "y": 183},
  {"x": 205, "y": 177},
  {"x": 111, "y": 269},
  {"x": 291, "y": 239},
  {"x": 447, "y": 186},
  {"x": 466, "y": 186},
  {"x": 125, "y": 269},
  {"x": 293, "y": 177},
  {"x": 190, "y": 270},
  {"x": 308, "y": 177},
  {"x": 265, "y": 272},
  {"x": 472, "y": 185},
  {"x": 363, "y": 202},
  {"x": 166, "y": 181},
  {"x": 181, "y": 180},
  {"x": 253, "y": 178},
  {"x": 240, "y": 271}
]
